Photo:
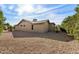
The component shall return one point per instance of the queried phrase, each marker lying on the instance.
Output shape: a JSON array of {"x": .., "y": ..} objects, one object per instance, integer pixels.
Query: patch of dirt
[{"x": 37, "y": 45}]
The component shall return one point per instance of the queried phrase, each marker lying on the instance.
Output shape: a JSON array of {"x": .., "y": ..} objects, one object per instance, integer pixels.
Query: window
[
  {"x": 32, "y": 27},
  {"x": 21, "y": 25},
  {"x": 24, "y": 25}
]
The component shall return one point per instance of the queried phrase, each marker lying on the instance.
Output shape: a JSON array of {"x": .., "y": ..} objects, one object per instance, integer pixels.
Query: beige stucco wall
[
  {"x": 52, "y": 27},
  {"x": 41, "y": 27},
  {"x": 26, "y": 26},
  {"x": 37, "y": 27}
]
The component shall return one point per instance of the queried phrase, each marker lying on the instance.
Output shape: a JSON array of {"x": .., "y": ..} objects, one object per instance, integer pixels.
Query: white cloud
[
  {"x": 41, "y": 9},
  {"x": 29, "y": 8},
  {"x": 11, "y": 7},
  {"x": 25, "y": 8},
  {"x": 57, "y": 18}
]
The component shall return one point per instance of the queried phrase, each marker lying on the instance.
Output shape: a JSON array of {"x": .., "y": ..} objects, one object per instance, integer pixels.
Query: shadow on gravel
[{"x": 50, "y": 35}]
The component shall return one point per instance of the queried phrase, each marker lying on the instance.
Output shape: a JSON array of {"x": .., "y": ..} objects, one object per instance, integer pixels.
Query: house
[
  {"x": 41, "y": 26},
  {"x": 34, "y": 26},
  {"x": 24, "y": 25}
]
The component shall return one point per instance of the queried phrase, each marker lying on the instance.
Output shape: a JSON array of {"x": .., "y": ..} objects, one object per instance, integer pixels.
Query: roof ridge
[{"x": 41, "y": 21}]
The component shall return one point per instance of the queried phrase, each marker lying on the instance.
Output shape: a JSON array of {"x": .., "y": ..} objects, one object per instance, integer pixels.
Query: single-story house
[{"x": 34, "y": 26}]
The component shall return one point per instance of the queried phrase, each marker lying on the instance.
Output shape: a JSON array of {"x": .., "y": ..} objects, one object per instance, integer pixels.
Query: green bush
[
  {"x": 1, "y": 30},
  {"x": 71, "y": 24},
  {"x": 1, "y": 21},
  {"x": 11, "y": 28}
]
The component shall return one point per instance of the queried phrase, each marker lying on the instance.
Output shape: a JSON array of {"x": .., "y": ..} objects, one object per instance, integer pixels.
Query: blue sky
[{"x": 54, "y": 12}]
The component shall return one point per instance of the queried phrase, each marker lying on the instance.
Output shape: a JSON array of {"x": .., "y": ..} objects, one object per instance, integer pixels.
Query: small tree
[
  {"x": 1, "y": 21},
  {"x": 9, "y": 27},
  {"x": 71, "y": 24}
]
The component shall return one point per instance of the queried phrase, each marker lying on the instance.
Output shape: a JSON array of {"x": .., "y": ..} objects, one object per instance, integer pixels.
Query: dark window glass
[
  {"x": 24, "y": 25},
  {"x": 32, "y": 27},
  {"x": 21, "y": 25}
]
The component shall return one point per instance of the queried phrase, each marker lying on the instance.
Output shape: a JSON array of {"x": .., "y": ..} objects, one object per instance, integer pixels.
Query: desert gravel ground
[{"x": 40, "y": 44}]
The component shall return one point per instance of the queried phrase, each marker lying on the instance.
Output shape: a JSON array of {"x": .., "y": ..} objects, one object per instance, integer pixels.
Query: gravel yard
[{"x": 29, "y": 43}]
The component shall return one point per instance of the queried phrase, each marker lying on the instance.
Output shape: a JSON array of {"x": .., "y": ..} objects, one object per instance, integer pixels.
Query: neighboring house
[{"x": 34, "y": 26}]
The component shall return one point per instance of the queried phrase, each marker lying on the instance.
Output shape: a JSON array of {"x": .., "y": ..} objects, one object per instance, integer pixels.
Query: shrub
[{"x": 71, "y": 24}]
